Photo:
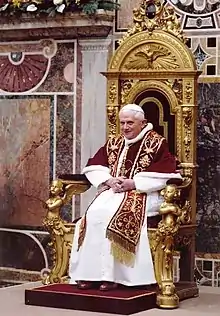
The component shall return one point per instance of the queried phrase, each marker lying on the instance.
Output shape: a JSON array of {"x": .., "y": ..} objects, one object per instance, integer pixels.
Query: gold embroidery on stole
[{"x": 125, "y": 226}]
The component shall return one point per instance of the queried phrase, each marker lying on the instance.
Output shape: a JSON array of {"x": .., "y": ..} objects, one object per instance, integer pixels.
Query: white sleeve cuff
[
  {"x": 147, "y": 182},
  {"x": 97, "y": 174}
]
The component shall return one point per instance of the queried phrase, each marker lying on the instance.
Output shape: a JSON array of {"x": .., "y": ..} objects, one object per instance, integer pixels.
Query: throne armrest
[
  {"x": 181, "y": 183},
  {"x": 62, "y": 190},
  {"x": 78, "y": 182}
]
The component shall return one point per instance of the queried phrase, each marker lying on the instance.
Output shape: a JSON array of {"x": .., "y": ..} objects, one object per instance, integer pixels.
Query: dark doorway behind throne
[{"x": 157, "y": 111}]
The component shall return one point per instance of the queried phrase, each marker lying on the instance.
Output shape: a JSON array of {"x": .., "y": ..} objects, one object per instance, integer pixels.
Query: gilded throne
[{"x": 154, "y": 68}]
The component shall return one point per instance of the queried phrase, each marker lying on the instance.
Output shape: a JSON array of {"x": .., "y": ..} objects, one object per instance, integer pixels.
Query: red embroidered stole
[{"x": 125, "y": 226}]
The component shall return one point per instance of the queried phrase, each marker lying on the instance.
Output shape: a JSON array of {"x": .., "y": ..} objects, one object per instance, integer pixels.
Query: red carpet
[
  {"x": 122, "y": 292},
  {"x": 123, "y": 300}
]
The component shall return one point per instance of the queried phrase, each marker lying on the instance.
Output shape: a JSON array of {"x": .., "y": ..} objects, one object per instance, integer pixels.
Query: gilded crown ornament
[{"x": 154, "y": 15}]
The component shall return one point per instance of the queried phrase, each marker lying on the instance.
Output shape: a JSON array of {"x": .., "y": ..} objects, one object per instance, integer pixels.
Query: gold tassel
[
  {"x": 121, "y": 249},
  {"x": 122, "y": 255}
]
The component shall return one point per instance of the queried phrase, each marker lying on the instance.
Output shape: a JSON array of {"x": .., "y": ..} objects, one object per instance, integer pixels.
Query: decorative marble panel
[
  {"x": 208, "y": 186},
  {"x": 64, "y": 132},
  {"x": 25, "y": 149},
  {"x": 198, "y": 14},
  {"x": 23, "y": 250},
  {"x": 61, "y": 75},
  {"x": 64, "y": 142},
  {"x": 56, "y": 89},
  {"x": 29, "y": 64}
]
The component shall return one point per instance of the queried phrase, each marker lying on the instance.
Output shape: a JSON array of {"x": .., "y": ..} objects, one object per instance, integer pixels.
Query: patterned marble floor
[{"x": 12, "y": 304}]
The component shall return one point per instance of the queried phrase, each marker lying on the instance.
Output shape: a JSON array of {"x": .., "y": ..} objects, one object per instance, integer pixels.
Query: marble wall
[
  {"x": 49, "y": 111},
  {"x": 38, "y": 111}
]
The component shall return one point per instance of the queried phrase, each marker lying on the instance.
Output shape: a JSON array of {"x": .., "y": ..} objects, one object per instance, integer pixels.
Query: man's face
[{"x": 130, "y": 126}]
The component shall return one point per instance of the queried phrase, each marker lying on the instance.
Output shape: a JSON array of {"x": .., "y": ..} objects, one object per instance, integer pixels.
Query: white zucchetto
[{"x": 132, "y": 107}]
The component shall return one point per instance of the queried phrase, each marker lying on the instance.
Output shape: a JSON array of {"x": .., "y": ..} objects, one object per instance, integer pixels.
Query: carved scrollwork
[
  {"x": 61, "y": 242},
  {"x": 163, "y": 239},
  {"x": 186, "y": 217},
  {"x": 152, "y": 56},
  {"x": 187, "y": 173},
  {"x": 154, "y": 240},
  {"x": 112, "y": 92},
  {"x": 168, "y": 297},
  {"x": 57, "y": 225},
  {"x": 61, "y": 247},
  {"x": 153, "y": 15},
  {"x": 187, "y": 120},
  {"x": 177, "y": 87},
  {"x": 157, "y": 85},
  {"x": 163, "y": 246},
  {"x": 61, "y": 232},
  {"x": 49, "y": 47},
  {"x": 188, "y": 92},
  {"x": 112, "y": 112},
  {"x": 126, "y": 86},
  {"x": 171, "y": 24},
  {"x": 167, "y": 233},
  {"x": 187, "y": 143}
]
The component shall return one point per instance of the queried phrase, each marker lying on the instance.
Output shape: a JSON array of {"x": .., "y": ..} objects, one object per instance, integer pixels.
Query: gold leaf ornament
[{"x": 152, "y": 57}]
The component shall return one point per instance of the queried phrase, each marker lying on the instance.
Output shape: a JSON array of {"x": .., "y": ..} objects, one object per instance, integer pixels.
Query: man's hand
[
  {"x": 115, "y": 183},
  {"x": 120, "y": 184},
  {"x": 127, "y": 185},
  {"x": 124, "y": 185}
]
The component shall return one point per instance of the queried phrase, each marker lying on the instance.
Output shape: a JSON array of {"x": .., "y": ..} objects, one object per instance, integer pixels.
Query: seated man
[{"x": 110, "y": 242}]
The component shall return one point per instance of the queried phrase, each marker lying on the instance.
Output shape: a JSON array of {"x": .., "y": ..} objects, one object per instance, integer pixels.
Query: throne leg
[
  {"x": 167, "y": 297},
  {"x": 61, "y": 242},
  {"x": 162, "y": 253}
]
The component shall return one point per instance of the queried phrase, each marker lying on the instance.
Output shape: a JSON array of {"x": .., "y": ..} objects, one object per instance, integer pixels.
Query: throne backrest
[{"x": 158, "y": 112}]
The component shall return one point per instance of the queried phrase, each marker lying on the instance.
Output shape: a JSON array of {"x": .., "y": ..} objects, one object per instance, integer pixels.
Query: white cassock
[{"x": 93, "y": 261}]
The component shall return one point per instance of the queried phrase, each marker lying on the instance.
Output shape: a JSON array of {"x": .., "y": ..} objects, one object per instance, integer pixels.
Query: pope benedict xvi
[{"x": 110, "y": 243}]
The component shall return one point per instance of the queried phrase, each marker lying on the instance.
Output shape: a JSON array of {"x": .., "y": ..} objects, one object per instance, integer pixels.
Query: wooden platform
[{"x": 124, "y": 300}]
